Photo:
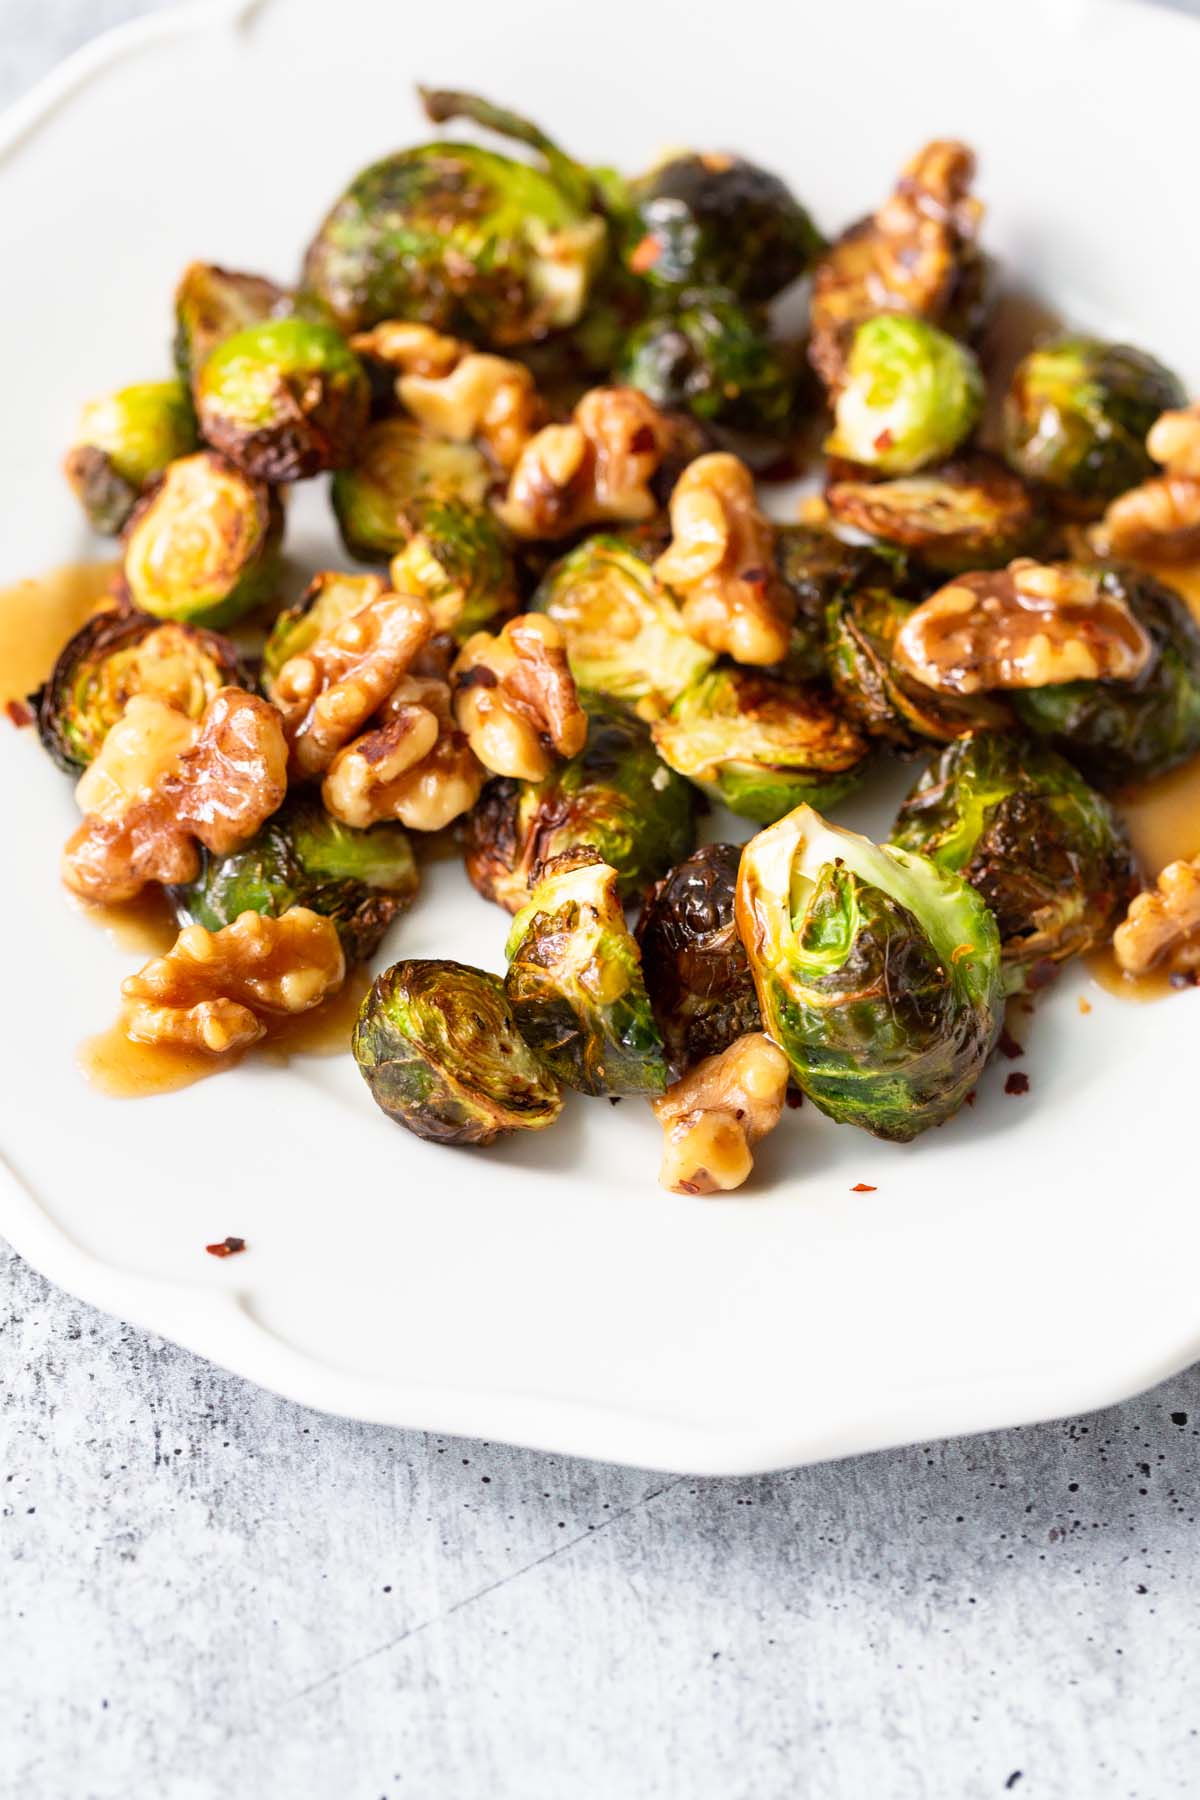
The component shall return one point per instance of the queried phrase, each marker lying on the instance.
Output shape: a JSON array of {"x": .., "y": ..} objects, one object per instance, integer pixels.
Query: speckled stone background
[{"x": 207, "y": 1592}]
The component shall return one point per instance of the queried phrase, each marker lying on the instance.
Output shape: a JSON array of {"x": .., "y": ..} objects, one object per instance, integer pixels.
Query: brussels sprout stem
[{"x": 443, "y": 104}]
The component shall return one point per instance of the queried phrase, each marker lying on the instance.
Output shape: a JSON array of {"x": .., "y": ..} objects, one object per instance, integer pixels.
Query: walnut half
[
  {"x": 457, "y": 392},
  {"x": 595, "y": 468},
  {"x": 715, "y": 1114},
  {"x": 515, "y": 698},
  {"x": 416, "y": 766},
  {"x": 1162, "y": 927},
  {"x": 721, "y": 563},
  {"x": 1159, "y": 520}
]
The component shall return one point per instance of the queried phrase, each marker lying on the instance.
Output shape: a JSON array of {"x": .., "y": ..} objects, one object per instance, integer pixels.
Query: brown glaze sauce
[
  {"x": 37, "y": 617},
  {"x": 146, "y": 926}
]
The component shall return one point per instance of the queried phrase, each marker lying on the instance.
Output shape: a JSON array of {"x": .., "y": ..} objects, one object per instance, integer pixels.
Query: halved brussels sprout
[
  {"x": 123, "y": 441},
  {"x": 460, "y": 237},
  {"x": 459, "y": 562},
  {"x": 625, "y": 638},
  {"x": 202, "y": 544},
  {"x": 283, "y": 399},
  {"x": 968, "y": 514},
  {"x": 761, "y": 746},
  {"x": 910, "y": 396},
  {"x": 714, "y": 220},
  {"x": 397, "y": 469},
  {"x": 212, "y": 303},
  {"x": 301, "y": 857},
  {"x": 329, "y": 598},
  {"x": 815, "y": 566},
  {"x": 437, "y": 1045},
  {"x": 693, "y": 961},
  {"x": 1077, "y": 413},
  {"x": 877, "y": 973},
  {"x": 616, "y": 796},
  {"x": 1047, "y": 853},
  {"x": 1120, "y": 731},
  {"x": 862, "y": 626},
  {"x": 712, "y": 357},
  {"x": 575, "y": 983},
  {"x": 117, "y": 654}
]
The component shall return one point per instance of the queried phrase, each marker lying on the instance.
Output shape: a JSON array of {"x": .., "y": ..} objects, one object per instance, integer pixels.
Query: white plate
[{"x": 1035, "y": 1257}]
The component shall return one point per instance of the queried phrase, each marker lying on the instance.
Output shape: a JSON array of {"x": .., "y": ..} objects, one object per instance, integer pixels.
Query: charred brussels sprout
[
  {"x": 624, "y": 636},
  {"x": 911, "y": 395},
  {"x": 1077, "y": 413},
  {"x": 1120, "y": 731},
  {"x": 815, "y": 567},
  {"x": 761, "y": 746},
  {"x": 400, "y": 467},
  {"x": 461, "y": 238},
  {"x": 969, "y": 514},
  {"x": 438, "y": 1047},
  {"x": 459, "y": 562},
  {"x": 329, "y": 598},
  {"x": 284, "y": 399},
  {"x": 202, "y": 545},
  {"x": 124, "y": 441},
  {"x": 717, "y": 221},
  {"x": 1045, "y": 851},
  {"x": 693, "y": 960},
  {"x": 616, "y": 797},
  {"x": 212, "y": 303},
  {"x": 118, "y": 654},
  {"x": 301, "y": 857},
  {"x": 878, "y": 973},
  {"x": 711, "y": 356},
  {"x": 862, "y": 626},
  {"x": 575, "y": 982}
]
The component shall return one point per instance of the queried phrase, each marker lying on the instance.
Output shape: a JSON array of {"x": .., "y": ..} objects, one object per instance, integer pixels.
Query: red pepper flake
[
  {"x": 970, "y": 1098},
  {"x": 885, "y": 439},
  {"x": 794, "y": 1098},
  {"x": 1085, "y": 1005},
  {"x": 1008, "y": 1045},
  {"x": 645, "y": 254},
  {"x": 863, "y": 1187},
  {"x": 19, "y": 713},
  {"x": 230, "y": 1246},
  {"x": 1041, "y": 973},
  {"x": 1017, "y": 1083}
]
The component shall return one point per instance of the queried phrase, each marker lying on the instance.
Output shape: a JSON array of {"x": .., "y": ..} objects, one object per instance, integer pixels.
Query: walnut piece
[
  {"x": 1030, "y": 625},
  {"x": 210, "y": 990},
  {"x": 417, "y": 766},
  {"x": 721, "y": 563},
  {"x": 161, "y": 788},
  {"x": 457, "y": 392},
  {"x": 409, "y": 348},
  {"x": 715, "y": 1114},
  {"x": 908, "y": 257},
  {"x": 1159, "y": 520},
  {"x": 1162, "y": 927},
  {"x": 597, "y": 467},
  {"x": 515, "y": 698},
  {"x": 327, "y": 692}
]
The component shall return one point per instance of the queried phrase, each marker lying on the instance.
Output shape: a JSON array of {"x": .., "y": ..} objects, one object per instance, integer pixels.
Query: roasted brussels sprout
[
  {"x": 123, "y": 441},
  {"x": 437, "y": 1045},
  {"x": 400, "y": 467},
  {"x": 616, "y": 796},
  {"x": 202, "y": 544},
  {"x": 1120, "y": 731},
  {"x": 911, "y": 395},
  {"x": 761, "y": 746},
  {"x": 283, "y": 399},
  {"x": 1045, "y": 851},
  {"x": 717, "y": 221},
  {"x": 460, "y": 237},
  {"x": 712, "y": 357},
  {"x": 212, "y": 303},
  {"x": 460, "y": 564},
  {"x": 878, "y": 973},
  {"x": 815, "y": 566},
  {"x": 301, "y": 857},
  {"x": 114, "y": 655},
  {"x": 862, "y": 625},
  {"x": 693, "y": 960},
  {"x": 968, "y": 514},
  {"x": 575, "y": 984},
  {"x": 625, "y": 638},
  {"x": 329, "y": 598},
  {"x": 1077, "y": 413}
]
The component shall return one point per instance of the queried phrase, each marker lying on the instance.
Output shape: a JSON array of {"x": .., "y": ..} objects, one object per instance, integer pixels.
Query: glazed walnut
[
  {"x": 1159, "y": 520},
  {"x": 721, "y": 563},
  {"x": 329, "y": 691},
  {"x": 457, "y": 392},
  {"x": 713, "y": 1117},
  {"x": 1162, "y": 927},
  {"x": 1030, "y": 625},
  {"x": 211, "y": 990},
  {"x": 409, "y": 348},
  {"x": 161, "y": 784},
  {"x": 914, "y": 255},
  {"x": 416, "y": 766},
  {"x": 515, "y": 698},
  {"x": 597, "y": 467}
]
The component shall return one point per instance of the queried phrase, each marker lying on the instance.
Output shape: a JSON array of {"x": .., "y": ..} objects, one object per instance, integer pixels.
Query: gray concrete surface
[{"x": 207, "y": 1592}]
